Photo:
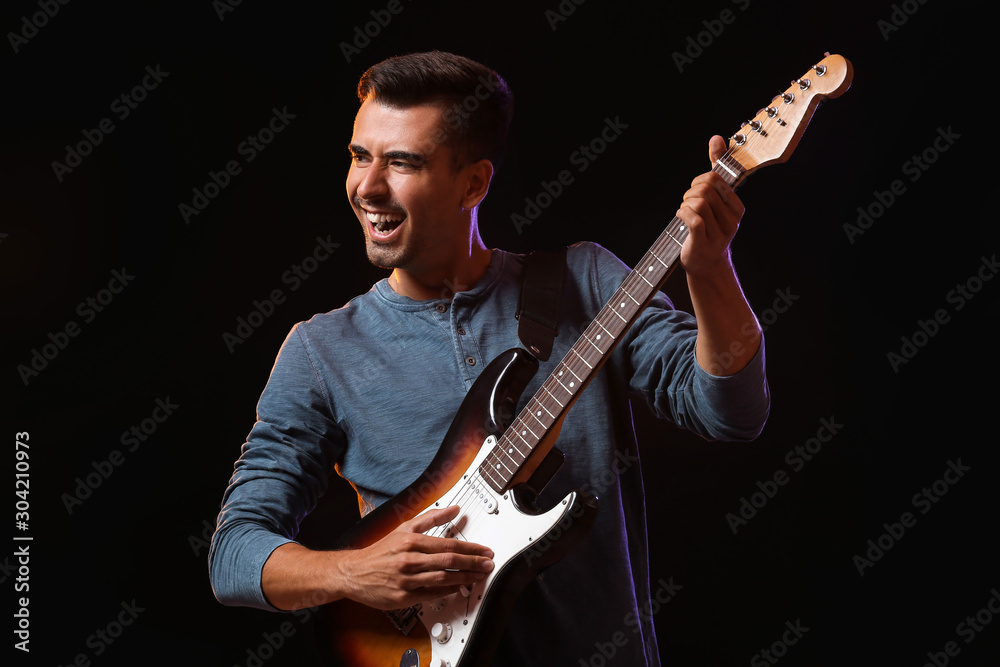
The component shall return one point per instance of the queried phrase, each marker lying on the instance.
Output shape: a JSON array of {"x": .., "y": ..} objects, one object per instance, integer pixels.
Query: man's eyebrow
[{"x": 416, "y": 158}]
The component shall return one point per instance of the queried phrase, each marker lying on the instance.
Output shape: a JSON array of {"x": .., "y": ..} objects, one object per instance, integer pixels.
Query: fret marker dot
[
  {"x": 539, "y": 413},
  {"x": 572, "y": 384},
  {"x": 598, "y": 336},
  {"x": 622, "y": 304}
]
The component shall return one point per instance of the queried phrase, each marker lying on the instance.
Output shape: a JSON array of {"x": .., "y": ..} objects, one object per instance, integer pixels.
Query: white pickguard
[{"x": 494, "y": 522}]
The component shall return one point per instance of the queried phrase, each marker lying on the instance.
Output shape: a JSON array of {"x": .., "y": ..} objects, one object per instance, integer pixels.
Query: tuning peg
[
  {"x": 820, "y": 69},
  {"x": 787, "y": 98},
  {"x": 803, "y": 83}
]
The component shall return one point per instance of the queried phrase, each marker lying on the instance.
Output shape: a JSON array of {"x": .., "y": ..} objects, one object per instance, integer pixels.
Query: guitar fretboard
[{"x": 590, "y": 351}]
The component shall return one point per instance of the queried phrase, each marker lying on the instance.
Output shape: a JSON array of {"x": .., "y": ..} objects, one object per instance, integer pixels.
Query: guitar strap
[{"x": 538, "y": 305}]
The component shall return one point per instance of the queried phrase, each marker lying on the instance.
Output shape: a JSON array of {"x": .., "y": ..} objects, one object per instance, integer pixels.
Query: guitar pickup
[{"x": 482, "y": 496}]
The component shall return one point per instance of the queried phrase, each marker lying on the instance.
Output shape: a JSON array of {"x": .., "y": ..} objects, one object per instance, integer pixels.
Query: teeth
[
  {"x": 378, "y": 218},
  {"x": 383, "y": 221}
]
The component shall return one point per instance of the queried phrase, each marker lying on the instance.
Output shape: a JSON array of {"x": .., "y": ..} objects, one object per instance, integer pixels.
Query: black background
[{"x": 139, "y": 538}]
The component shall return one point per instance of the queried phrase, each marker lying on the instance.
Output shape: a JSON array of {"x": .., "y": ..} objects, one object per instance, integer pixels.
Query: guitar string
[{"x": 468, "y": 488}]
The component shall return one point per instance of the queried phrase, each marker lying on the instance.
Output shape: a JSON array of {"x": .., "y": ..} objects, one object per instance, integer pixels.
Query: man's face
[{"x": 404, "y": 188}]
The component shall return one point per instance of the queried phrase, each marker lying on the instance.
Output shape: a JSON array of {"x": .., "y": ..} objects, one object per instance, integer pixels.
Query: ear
[{"x": 478, "y": 177}]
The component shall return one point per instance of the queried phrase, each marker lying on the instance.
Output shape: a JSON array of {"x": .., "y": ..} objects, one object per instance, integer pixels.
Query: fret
[
  {"x": 673, "y": 239},
  {"x": 516, "y": 448},
  {"x": 665, "y": 265},
  {"x": 566, "y": 366},
  {"x": 495, "y": 484},
  {"x": 594, "y": 344},
  {"x": 573, "y": 350},
  {"x": 510, "y": 453},
  {"x": 528, "y": 429},
  {"x": 605, "y": 329},
  {"x": 539, "y": 414},
  {"x": 728, "y": 170},
  {"x": 562, "y": 385},
  {"x": 553, "y": 397},
  {"x": 499, "y": 463},
  {"x": 630, "y": 296},
  {"x": 570, "y": 390}
]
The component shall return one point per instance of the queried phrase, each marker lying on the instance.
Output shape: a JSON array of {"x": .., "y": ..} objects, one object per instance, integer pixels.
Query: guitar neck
[
  {"x": 769, "y": 138},
  {"x": 572, "y": 374}
]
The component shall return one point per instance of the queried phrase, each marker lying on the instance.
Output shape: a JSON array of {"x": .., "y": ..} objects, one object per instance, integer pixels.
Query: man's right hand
[
  {"x": 406, "y": 567},
  {"x": 403, "y": 568}
]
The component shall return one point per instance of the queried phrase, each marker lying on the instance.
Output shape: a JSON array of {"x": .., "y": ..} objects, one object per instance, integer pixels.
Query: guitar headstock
[{"x": 772, "y": 135}]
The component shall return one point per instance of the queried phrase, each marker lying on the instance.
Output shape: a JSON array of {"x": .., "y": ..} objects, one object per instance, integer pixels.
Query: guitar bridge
[{"x": 404, "y": 619}]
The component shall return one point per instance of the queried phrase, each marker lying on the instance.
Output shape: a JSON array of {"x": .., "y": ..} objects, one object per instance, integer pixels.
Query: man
[{"x": 369, "y": 390}]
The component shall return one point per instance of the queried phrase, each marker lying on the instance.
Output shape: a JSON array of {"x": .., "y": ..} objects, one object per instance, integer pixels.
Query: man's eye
[{"x": 358, "y": 157}]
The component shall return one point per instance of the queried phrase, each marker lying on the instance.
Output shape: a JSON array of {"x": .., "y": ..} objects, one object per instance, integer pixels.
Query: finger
[
  {"x": 716, "y": 148},
  {"x": 694, "y": 222},
  {"x": 457, "y": 562},
  {"x": 424, "y": 522},
  {"x": 710, "y": 182},
  {"x": 436, "y": 544}
]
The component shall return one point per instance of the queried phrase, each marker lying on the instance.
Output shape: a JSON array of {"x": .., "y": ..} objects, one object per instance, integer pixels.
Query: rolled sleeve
[{"x": 658, "y": 357}]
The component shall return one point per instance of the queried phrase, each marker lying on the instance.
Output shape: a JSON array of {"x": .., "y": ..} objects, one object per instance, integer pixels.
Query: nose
[{"x": 371, "y": 182}]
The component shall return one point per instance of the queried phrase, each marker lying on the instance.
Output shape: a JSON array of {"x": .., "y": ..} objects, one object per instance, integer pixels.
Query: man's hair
[{"x": 477, "y": 102}]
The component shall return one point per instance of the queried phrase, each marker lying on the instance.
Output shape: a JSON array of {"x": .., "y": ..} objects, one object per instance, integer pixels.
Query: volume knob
[{"x": 441, "y": 632}]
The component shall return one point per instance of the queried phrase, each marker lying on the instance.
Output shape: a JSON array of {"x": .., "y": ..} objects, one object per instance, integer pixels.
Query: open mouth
[{"x": 385, "y": 223}]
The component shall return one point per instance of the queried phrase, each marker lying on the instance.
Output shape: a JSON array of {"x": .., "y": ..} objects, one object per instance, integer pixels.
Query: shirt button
[
  {"x": 471, "y": 361},
  {"x": 461, "y": 331},
  {"x": 441, "y": 307}
]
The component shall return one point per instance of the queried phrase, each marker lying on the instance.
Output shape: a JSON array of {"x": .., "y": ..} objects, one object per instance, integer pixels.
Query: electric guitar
[{"x": 492, "y": 463}]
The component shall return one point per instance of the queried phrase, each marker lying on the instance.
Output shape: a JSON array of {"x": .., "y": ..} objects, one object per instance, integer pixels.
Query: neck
[{"x": 443, "y": 281}]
